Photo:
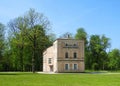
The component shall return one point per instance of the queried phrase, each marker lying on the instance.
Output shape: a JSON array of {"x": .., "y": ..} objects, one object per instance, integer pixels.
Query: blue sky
[{"x": 96, "y": 16}]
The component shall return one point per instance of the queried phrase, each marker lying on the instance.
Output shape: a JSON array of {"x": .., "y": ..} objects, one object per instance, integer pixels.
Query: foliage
[
  {"x": 67, "y": 35},
  {"x": 82, "y": 35},
  {"x": 2, "y": 40},
  {"x": 114, "y": 59},
  {"x": 97, "y": 49},
  {"x": 29, "y": 36},
  {"x": 28, "y": 40}
]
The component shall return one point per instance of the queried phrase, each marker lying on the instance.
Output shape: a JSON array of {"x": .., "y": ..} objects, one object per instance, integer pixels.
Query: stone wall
[{"x": 57, "y": 54}]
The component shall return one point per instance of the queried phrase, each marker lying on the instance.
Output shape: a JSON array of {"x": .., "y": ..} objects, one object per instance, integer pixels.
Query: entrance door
[{"x": 51, "y": 68}]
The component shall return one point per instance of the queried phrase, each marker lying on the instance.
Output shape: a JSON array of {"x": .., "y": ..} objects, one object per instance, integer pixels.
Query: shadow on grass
[
  {"x": 8, "y": 74},
  {"x": 96, "y": 72},
  {"x": 30, "y": 73},
  {"x": 16, "y": 73}
]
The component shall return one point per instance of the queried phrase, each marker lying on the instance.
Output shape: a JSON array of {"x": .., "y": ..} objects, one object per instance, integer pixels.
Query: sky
[{"x": 95, "y": 16}]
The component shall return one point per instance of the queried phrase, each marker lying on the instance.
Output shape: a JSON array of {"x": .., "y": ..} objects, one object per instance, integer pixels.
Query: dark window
[
  {"x": 75, "y": 55},
  {"x": 66, "y": 44},
  {"x": 49, "y": 60},
  {"x": 66, "y": 66},
  {"x": 66, "y": 55},
  {"x": 75, "y": 45},
  {"x": 75, "y": 66}
]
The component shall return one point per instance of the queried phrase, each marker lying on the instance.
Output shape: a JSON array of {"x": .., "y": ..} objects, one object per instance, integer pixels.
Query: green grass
[{"x": 29, "y": 79}]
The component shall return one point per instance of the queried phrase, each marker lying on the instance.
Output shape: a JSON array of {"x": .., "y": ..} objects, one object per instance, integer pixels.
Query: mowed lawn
[{"x": 78, "y": 79}]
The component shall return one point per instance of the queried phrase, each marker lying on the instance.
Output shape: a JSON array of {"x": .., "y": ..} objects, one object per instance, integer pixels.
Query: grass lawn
[{"x": 29, "y": 79}]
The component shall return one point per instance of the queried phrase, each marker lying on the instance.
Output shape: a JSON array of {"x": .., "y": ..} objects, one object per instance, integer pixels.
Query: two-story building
[{"x": 66, "y": 55}]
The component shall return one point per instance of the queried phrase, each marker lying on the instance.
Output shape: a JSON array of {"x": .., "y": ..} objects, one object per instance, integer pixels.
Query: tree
[
  {"x": 33, "y": 27},
  {"x": 52, "y": 37},
  {"x": 95, "y": 49},
  {"x": 105, "y": 43},
  {"x": 35, "y": 22},
  {"x": 67, "y": 35},
  {"x": 82, "y": 35},
  {"x": 2, "y": 29},
  {"x": 17, "y": 40},
  {"x": 97, "y": 46},
  {"x": 114, "y": 59}
]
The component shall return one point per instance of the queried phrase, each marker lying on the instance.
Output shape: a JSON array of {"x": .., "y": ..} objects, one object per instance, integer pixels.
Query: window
[
  {"x": 66, "y": 66},
  {"x": 75, "y": 67},
  {"x": 66, "y": 55},
  {"x": 75, "y": 55},
  {"x": 66, "y": 44},
  {"x": 49, "y": 60},
  {"x": 75, "y": 45}
]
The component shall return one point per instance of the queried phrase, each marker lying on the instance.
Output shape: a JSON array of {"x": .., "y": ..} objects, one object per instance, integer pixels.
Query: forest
[{"x": 24, "y": 39}]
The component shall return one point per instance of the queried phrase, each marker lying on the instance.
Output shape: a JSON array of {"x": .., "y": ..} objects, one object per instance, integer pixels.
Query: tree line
[
  {"x": 23, "y": 40},
  {"x": 27, "y": 38},
  {"x": 98, "y": 55}
]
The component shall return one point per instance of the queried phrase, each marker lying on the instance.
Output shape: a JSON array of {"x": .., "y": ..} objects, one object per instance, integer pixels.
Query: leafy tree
[
  {"x": 98, "y": 55},
  {"x": 17, "y": 40},
  {"x": 35, "y": 22},
  {"x": 114, "y": 59},
  {"x": 67, "y": 35},
  {"x": 2, "y": 29},
  {"x": 82, "y": 35},
  {"x": 52, "y": 37},
  {"x": 105, "y": 43},
  {"x": 31, "y": 30},
  {"x": 95, "y": 49}
]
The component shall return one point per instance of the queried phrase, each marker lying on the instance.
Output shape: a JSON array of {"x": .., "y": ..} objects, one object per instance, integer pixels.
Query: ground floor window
[
  {"x": 75, "y": 66},
  {"x": 66, "y": 66}
]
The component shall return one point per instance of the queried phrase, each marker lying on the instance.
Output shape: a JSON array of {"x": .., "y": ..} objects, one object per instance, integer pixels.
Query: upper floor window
[
  {"x": 75, "y": 55},
  {"x": 66, "y": 55},
  {"x": 49, "y": 60},
  {"x": 68, "y": 45}
]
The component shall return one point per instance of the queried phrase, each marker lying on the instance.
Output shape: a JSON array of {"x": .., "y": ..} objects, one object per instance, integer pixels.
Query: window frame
[
  {"x": 49, "y": 60},
  {"x": 66, "y": 55},
  {"x": 67, "y": 66},
  {"x": 74, "y": 55},
  {"x": 75, "y": 66},
  {"x": 66, "y": 44}
]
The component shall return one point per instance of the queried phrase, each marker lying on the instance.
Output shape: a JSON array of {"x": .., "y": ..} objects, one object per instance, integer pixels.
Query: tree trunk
[
  {"x": 21, "y": 58},
  {"x": 34, "y": 50},
  {"x": 33, "y": 63}
]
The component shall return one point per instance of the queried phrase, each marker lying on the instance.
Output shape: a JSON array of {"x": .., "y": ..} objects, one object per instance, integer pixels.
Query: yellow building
[{"x": 66, "y": 55}]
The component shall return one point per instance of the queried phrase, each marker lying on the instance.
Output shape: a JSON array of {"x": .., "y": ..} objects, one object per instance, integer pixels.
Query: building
[{"x": 66, "y": 55}]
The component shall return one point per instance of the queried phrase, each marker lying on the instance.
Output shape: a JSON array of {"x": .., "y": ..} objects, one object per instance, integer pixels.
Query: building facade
[{"x": 66, "y": 55}]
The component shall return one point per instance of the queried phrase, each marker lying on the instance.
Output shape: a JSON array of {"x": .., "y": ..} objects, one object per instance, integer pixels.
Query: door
[{"x": 51, "y": 68}]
